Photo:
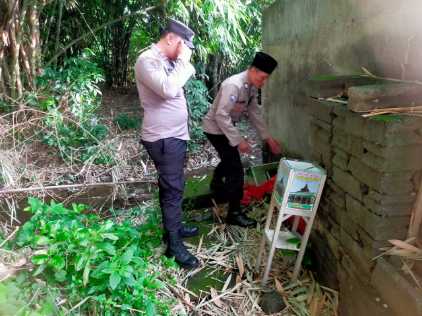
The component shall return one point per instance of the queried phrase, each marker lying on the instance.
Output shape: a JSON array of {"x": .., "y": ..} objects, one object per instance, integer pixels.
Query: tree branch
[{"x": 96, "y": 30}]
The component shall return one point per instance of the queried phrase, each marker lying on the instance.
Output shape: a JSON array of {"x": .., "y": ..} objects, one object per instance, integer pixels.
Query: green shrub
[
  {"x": 198, "y": 102},
  {"x": 113, "y": 264},
  {"x": 70, "y": 96},
  {"x": 125, "y": 122}
]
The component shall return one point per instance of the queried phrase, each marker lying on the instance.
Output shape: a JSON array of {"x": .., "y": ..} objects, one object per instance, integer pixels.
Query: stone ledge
[{"x": 401, "y": 296}]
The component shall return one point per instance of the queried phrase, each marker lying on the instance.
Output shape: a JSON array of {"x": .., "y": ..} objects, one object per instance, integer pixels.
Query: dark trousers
[
  {"x": 169, "y": 156},
  {"x": 228, "y": 175}
]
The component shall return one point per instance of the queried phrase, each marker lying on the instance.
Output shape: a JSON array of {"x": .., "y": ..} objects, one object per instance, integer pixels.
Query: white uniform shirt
[
  {"x": 235, "y": 98},
  {"x": 160, "y": 87}
]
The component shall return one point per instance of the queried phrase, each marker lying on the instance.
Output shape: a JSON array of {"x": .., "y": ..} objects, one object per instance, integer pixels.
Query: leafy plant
[
  {"x": 125, "y": 122},
  {"x": 14, "y": 301},
  {"x": 198, "y": 102},
  {"x": 70, "y": 96},
  {"x": 113, "y": 264}
]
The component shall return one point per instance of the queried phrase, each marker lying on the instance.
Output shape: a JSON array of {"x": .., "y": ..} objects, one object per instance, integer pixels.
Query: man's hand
[
  {"x": 183, "y": 52},
  {"x": 274, "y": 146},
  {"x": 244, "y": 147}
]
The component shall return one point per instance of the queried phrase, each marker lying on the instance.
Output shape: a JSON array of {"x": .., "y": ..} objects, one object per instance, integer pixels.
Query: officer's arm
[
  {"x": 256, "y": 118},
  {"x": 151, "y": 72},
  {"x": 227, "y": 98}
]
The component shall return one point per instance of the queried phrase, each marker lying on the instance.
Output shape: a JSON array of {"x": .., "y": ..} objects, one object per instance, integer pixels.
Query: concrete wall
[
  {"x": 374, "y": 171},
  {"x": 310, "y": 37},
  {"x": 374, "y": 168}
]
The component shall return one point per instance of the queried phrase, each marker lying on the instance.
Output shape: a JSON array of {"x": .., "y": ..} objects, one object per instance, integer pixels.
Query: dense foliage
[
  {"x": 198, "y": 100},
  {"x": 70, "y": 96},
  {"x": 78, "y": 255}
]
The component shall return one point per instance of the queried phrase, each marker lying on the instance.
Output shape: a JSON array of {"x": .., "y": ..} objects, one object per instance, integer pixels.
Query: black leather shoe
[
  {"x": 240, "y": 219},
  {"x": 182, "y": 256},
  {"x": 184, "y": 232}
]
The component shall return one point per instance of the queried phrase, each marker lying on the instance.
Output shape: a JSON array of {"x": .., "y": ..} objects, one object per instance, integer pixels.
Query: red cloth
[{"x": 257, "y": 192}]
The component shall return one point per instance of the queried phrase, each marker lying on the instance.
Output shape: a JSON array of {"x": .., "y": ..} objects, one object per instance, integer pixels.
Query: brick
[
  {"x": 405, "y": 137},
  {"x": 341, "y": 159},
  {"x": 361, "y": 256},
  {"x": 378, "y": 227},
  {"x": 320, "y": 135},
  {"x": 352, "y": 270},
  {"x": 347, "y": 142},
  {"x": 391, "y": 164},
  {"x": 325, "y": 252},
  {"x": 337, "y": 199},
  {"x": 321, "y": 110},
  {"x": 329, "y": 210},
  {"x": 326, "y": 126},
  {"x": 371, "y": 130},
  {"x": 401, "y": 296},
  {"x": 405, "y": 123},
  {"x": 333, "y": 186},
  {"x": 341, "y": 110},
  {"x": 389, "y": 205},
  {"x": 348, "y": 183},
  {"x": 389, "y": 183},
  {"x": 393, "y": 152}
]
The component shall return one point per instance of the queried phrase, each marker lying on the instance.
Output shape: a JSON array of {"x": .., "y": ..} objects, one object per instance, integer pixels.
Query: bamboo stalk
[
  {"x": 416, "y": 218},
  {"x": 72, "y": 186}
]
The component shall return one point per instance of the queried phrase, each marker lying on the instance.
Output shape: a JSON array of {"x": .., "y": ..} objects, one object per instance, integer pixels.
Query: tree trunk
[
  {"x": 120, "y": 50},
  {"x": 19, "y": 46}
]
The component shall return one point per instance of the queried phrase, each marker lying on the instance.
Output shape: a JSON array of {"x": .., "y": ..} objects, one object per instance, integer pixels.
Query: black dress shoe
[
  {"x": 177, "y": 249},
  {"x": 240, "y": 219},
  {"x": 184, "y": 232}
]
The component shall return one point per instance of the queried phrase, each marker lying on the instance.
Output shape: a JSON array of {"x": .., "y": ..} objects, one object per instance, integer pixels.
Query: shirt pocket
[{"x": 237, "y": 111}]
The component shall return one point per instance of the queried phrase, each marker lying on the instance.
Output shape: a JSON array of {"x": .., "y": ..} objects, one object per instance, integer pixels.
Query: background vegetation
[{"x": 56, "y": 59}]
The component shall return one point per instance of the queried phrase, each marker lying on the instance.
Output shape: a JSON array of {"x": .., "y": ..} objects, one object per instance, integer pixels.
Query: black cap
[
  {"x": 264, "y": 62},
  {"x": 182, "y": 30}
]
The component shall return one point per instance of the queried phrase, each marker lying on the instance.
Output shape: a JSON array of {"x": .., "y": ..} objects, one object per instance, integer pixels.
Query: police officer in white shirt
[
  {"x": 161, "y": 72},
  {"x": 237, "y": 96}
]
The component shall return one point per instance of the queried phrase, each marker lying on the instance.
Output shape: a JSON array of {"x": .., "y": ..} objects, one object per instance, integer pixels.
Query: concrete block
[
  {"x": 348, "y": 183},
  {"x": 321, "y": 110},
  {"x": 378, "y": 227},
  {"x": 406, "y": 123},
  {"x": 329, "y": 210},
  {"x": 341, "y": 159},
  {"x": 325, "y": 252},
  {"x": 403, "y": 138},
  {"x": 391, "y": 164},
  {"x": 348, "y": 266},
  {"x": 333, "y": 186},
  {"x": 337, "y": 199},
  {"x": 346, "y": 141},
  {"x": 341, "y": 110},
  {"x": 323, "y": 125},
  {"x": 389, "y": 183},
  {"x": 389, "y": 205},
  {"x": 359, "y": 252},
  {"x": 322, "y": 136},
  {"x": 399, "y": 153},
  {"x": 371, "y": 130},
  {"x": 400, "y": 295},
  {"x": 384, "y": 95}
]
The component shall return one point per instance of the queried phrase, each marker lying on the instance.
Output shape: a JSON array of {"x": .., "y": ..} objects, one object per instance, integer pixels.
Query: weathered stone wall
[
  {"x": 374, "y": 168},
  {"x": 311, "y": 37},
  {"x": 374, "y": 171}
]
